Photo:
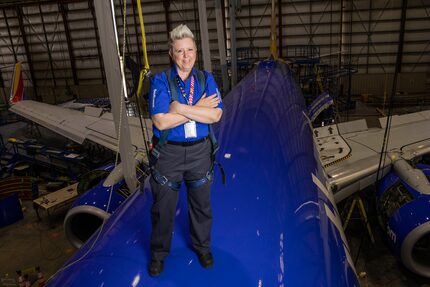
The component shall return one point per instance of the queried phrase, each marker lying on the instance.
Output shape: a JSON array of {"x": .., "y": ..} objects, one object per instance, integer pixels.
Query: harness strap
[
  {"x": 202, "y": 80},
  {"x": 221, "y": 169},
  {"x": 215, "y": 148},
  {"x": 214, "y": 142},
  {"x": 199, "y": 182},
  {"x": 162, "y": 180},
  {"x": 208, "y": 177}
]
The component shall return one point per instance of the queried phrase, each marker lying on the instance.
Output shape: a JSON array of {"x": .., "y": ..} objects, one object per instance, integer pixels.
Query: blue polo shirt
[{"x": 160, "y": 99}]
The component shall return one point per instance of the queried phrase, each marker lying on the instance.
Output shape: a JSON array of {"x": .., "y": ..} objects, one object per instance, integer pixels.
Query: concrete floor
[{"x": 30, "y": 242}]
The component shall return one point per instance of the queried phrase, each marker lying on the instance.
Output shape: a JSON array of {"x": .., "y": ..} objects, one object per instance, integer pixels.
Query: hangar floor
[{"x": 31, "y": 242}]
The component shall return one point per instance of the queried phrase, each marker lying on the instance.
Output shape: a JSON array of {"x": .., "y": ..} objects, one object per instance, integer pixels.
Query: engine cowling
[
  {"x": 404, "y": 213},
  {"x": 91, "y": 208}
]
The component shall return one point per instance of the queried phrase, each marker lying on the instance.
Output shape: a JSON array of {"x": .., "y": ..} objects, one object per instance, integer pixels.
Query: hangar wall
[{"x": 57, "y": 41}]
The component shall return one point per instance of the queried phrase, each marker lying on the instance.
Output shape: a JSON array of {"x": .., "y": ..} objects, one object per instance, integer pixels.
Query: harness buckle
[
  {"x": 210, "y": 174},
  {"x": 215, "y": 150},
  {"x": 155, "y": 152},
  {"x": 162, "y": 180},
  {"x": 158, "y": 177}
]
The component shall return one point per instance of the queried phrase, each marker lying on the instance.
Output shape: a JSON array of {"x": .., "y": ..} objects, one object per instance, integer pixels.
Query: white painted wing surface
[
  {"x": 409, "y": 138},
  {"x": 78, "y": 126}
]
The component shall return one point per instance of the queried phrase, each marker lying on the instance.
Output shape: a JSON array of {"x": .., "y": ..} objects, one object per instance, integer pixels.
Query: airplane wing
[
  {"x": 350, "y": 151},
  {"x": 93, "y": 124}
]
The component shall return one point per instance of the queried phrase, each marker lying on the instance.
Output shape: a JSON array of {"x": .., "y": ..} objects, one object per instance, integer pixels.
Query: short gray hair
[{"x": 180, "y": 32}]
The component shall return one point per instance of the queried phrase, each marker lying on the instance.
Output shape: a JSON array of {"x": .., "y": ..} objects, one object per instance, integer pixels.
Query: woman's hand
[
  {"x": 175, "y": 107},
  {"x": 208, "y": 102}
]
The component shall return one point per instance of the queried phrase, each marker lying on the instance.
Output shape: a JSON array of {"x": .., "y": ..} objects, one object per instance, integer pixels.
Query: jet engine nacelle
[
  {"x": 404, "y": 213},
  {"x": 94, "y": 205}
]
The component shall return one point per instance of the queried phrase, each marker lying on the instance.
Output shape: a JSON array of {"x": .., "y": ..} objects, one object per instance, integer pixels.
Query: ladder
[{"x": 354, "y": 202}]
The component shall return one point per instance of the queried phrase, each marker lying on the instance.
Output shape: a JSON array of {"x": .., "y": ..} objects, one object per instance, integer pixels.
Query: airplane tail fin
[{"x": 17, "y": 92}]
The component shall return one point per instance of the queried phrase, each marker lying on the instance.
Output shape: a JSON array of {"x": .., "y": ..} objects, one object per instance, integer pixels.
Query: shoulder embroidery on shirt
[
  {"x": 218, "y": 94},
  {"x": 154, "y": 94}
]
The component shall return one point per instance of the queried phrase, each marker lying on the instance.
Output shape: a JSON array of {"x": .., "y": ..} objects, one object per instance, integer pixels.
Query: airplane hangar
[{"x": 323, "y": 143}]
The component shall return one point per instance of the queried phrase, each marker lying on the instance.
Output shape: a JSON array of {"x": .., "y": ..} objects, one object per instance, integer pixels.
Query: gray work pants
[{"x": 179, "y": 163}]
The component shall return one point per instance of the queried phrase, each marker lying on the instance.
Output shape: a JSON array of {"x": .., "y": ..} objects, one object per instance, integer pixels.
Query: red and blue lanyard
[{"x": 190, "y": 98}]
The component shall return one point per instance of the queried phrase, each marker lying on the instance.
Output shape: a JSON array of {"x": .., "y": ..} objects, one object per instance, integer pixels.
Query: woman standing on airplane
[{"x": 181, "y": 114}]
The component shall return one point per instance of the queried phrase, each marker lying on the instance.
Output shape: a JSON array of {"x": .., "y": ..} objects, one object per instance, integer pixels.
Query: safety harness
[{"x": 155, "y": 152}]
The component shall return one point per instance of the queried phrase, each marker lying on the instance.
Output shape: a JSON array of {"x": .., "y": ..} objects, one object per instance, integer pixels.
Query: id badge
[{"x": 190, "y": 129}]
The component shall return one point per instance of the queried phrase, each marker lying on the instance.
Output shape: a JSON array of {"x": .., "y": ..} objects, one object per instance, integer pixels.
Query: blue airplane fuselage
[{"x": 274, "y": 222}]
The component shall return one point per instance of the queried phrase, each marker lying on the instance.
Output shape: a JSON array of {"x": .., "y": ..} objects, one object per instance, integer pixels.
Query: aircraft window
[{"x": 392, "y": 200}]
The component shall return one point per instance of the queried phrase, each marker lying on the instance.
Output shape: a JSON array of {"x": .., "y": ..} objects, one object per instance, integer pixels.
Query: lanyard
[{"x": 190, "y": 98}]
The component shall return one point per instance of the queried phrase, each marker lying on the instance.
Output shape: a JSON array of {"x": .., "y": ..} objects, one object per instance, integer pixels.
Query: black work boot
[
  {"x": 156, "y": 267},
  {"x": 206, "y": 260}
]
